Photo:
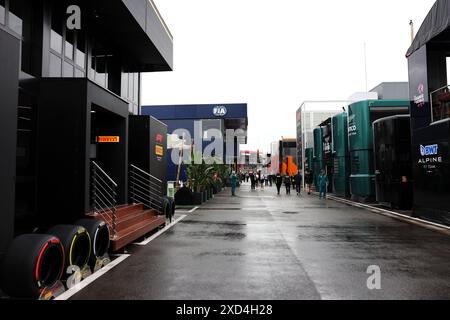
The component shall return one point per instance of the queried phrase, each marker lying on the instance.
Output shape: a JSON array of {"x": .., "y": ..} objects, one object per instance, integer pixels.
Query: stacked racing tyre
[
  {"x": 100, "y": 238},
  {"x": 32, "y": 263},
  {"x": 172, "y": 208},
  {"x": 166, "y": 208},
  {"x": 76, "y": 242}
]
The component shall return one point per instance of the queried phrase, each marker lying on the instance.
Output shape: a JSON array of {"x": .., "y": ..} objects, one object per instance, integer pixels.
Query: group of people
[
  {"x": 289, "y": 181},
  {"x": 296, "y": 182}
]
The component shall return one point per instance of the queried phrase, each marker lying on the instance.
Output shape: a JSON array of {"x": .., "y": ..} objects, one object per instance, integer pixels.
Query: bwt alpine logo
[
  {"x": 220, "y": 111},
  {"x": 429, "y": 150}
]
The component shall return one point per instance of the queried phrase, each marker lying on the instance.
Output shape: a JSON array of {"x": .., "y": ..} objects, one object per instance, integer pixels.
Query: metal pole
[
  {"x": 303, "y": 143},
  {"x": 93, "y": 186},
  {"x": 114, "y": 227},
  {"x": 365, "y": 64}
]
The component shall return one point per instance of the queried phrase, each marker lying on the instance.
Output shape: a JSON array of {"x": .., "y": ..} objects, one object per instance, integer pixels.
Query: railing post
[
  {"x": 113, "y": 209},
  {"x": 94, "y": 187},
  {"x": 132, "y": 182}
]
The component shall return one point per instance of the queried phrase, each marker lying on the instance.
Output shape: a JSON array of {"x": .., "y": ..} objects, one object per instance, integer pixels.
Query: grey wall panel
[
  {"x": 392, "y": 91},
  {"x": 9, "y": 84},
  {"x": 159, "y": 35},
  {"x": 138, "y": 9}
]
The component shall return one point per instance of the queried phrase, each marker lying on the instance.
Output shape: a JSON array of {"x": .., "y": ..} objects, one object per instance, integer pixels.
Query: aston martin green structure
[
  {"x": 341, "y": 155},
  {"x": 319, "y": 162},
  {"x": 360, "y": 138}
]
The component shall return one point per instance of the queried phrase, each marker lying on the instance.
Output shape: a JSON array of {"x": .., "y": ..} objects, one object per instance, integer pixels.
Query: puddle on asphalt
[
  {"x": 230, "y": 236},
  {"x": 209, "y": 223},
  {"x": 222, "y": 253}
]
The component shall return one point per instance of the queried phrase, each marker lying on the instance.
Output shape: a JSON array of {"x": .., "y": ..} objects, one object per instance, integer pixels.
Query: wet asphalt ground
[{"x": 261, "y": 246}]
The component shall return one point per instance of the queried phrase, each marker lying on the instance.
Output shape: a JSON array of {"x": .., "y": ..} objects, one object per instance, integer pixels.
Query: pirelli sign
[
  {"x": 159, "y": 151},
  {"x": 108, "y": 139}
]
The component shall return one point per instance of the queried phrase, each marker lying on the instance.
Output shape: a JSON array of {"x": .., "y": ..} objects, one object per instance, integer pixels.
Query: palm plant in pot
[{"x": 199, "y": 177}]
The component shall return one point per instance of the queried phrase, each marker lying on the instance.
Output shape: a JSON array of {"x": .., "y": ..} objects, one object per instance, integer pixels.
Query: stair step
[
  {"x": 125, "y": 211},
  {"x": 136, "y": 231},
  {"x": 132, "y": 219}
]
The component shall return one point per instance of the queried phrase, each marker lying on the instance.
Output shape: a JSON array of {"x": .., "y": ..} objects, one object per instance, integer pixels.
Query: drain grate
[{"x": 291, "y": 212}]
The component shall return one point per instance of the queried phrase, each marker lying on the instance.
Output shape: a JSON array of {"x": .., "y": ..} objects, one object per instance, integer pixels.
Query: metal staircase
[{"x": 128, "y": 222}]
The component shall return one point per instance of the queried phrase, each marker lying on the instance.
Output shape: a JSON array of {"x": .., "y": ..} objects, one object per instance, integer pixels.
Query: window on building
[
  {"x": 68, "y": 70},
  {"x": 101, "y": 70},
  {"x": 440, "y": 99},
  {"x": 56, "y": 39},
  {"x": 130, "y": 87},
  {"x": 130, "y": 90},
  {"x": 55, "y": 66},
  {"x": 2, "y": 12},
  {"x": 17, "y": 9},
  {"x": 80, "y": 56},
  {"x": 136, "y": 88},
  {"x": 68, "y": 47},
  {"x": 124, "y": 85}
]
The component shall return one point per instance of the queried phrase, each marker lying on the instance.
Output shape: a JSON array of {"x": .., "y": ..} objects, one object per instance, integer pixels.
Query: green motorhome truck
[
  {"x": 318, "y": 162},
  {"x": 341, "y": 155},
  {"x": 360, "y": 138}
]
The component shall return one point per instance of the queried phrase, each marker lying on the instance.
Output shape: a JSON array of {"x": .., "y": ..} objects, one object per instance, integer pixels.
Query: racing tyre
[
  {"x": 76, "y": 242},
  {"x": 100, "y": 237},
  {"x": 32, "y": 263}
]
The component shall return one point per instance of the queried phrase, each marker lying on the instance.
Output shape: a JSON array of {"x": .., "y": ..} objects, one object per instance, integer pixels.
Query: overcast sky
[{"x": 275, "y": 54}]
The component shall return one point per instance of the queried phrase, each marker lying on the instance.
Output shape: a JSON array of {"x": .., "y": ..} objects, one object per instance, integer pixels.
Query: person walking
[
  {"x": 234, "y": 181},
  {"x": 287, "y": 183},
  {"x": 278, "y": 182},
  {"x": 323, "y": 184},
  {"x": 298, "y": 182},
  {"x": 309, "y": 179},
  {"x": 253, "y": 180}
]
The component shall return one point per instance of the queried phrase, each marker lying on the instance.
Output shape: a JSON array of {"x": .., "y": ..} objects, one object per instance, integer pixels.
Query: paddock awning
[{"x": 436, "y": 22}]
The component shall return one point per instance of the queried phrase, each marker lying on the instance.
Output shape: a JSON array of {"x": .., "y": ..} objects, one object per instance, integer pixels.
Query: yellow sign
[
  {"x": 159, "y": 151},
  {"x": 108, "y": 139}
]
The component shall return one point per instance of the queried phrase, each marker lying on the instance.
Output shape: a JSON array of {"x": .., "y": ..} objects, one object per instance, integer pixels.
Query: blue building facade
[{"x": 221, "y": 117}]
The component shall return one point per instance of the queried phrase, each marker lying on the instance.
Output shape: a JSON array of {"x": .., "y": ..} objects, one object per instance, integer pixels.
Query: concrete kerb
[{"x": 395, "y": 215}]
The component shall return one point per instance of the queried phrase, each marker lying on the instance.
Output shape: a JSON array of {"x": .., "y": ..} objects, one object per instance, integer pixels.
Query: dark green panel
[
  {"x": 319, "y": 163},
  {"x": 341, "y": 174},
  {"x": 360, "y": 119}
]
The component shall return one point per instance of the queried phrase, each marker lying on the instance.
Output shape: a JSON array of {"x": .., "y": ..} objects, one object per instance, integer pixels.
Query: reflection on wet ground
[{"x": 263, "y": 246}]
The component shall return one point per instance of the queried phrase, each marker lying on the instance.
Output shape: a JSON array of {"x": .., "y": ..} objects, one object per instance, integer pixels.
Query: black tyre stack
[
  {"x": 32, "y": 263},
  {"x": 100, "y": 238},
  {"x": 172, "y": 208},
  {"x": 168, "y": 205},
  {"x": 76, "y": 242}
]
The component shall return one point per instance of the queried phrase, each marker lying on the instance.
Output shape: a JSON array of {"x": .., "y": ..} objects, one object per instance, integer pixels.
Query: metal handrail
[
  {"x": 104, "y": 173},
  {"x": 145, "y": 189},
  {"x": 145, "y": 173},
  {"x": 143, "y": 181},
  {"x": 104, "y": 197}
]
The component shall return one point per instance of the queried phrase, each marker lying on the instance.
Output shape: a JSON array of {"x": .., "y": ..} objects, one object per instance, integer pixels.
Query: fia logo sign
[{"x": 220, "y": 111}]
